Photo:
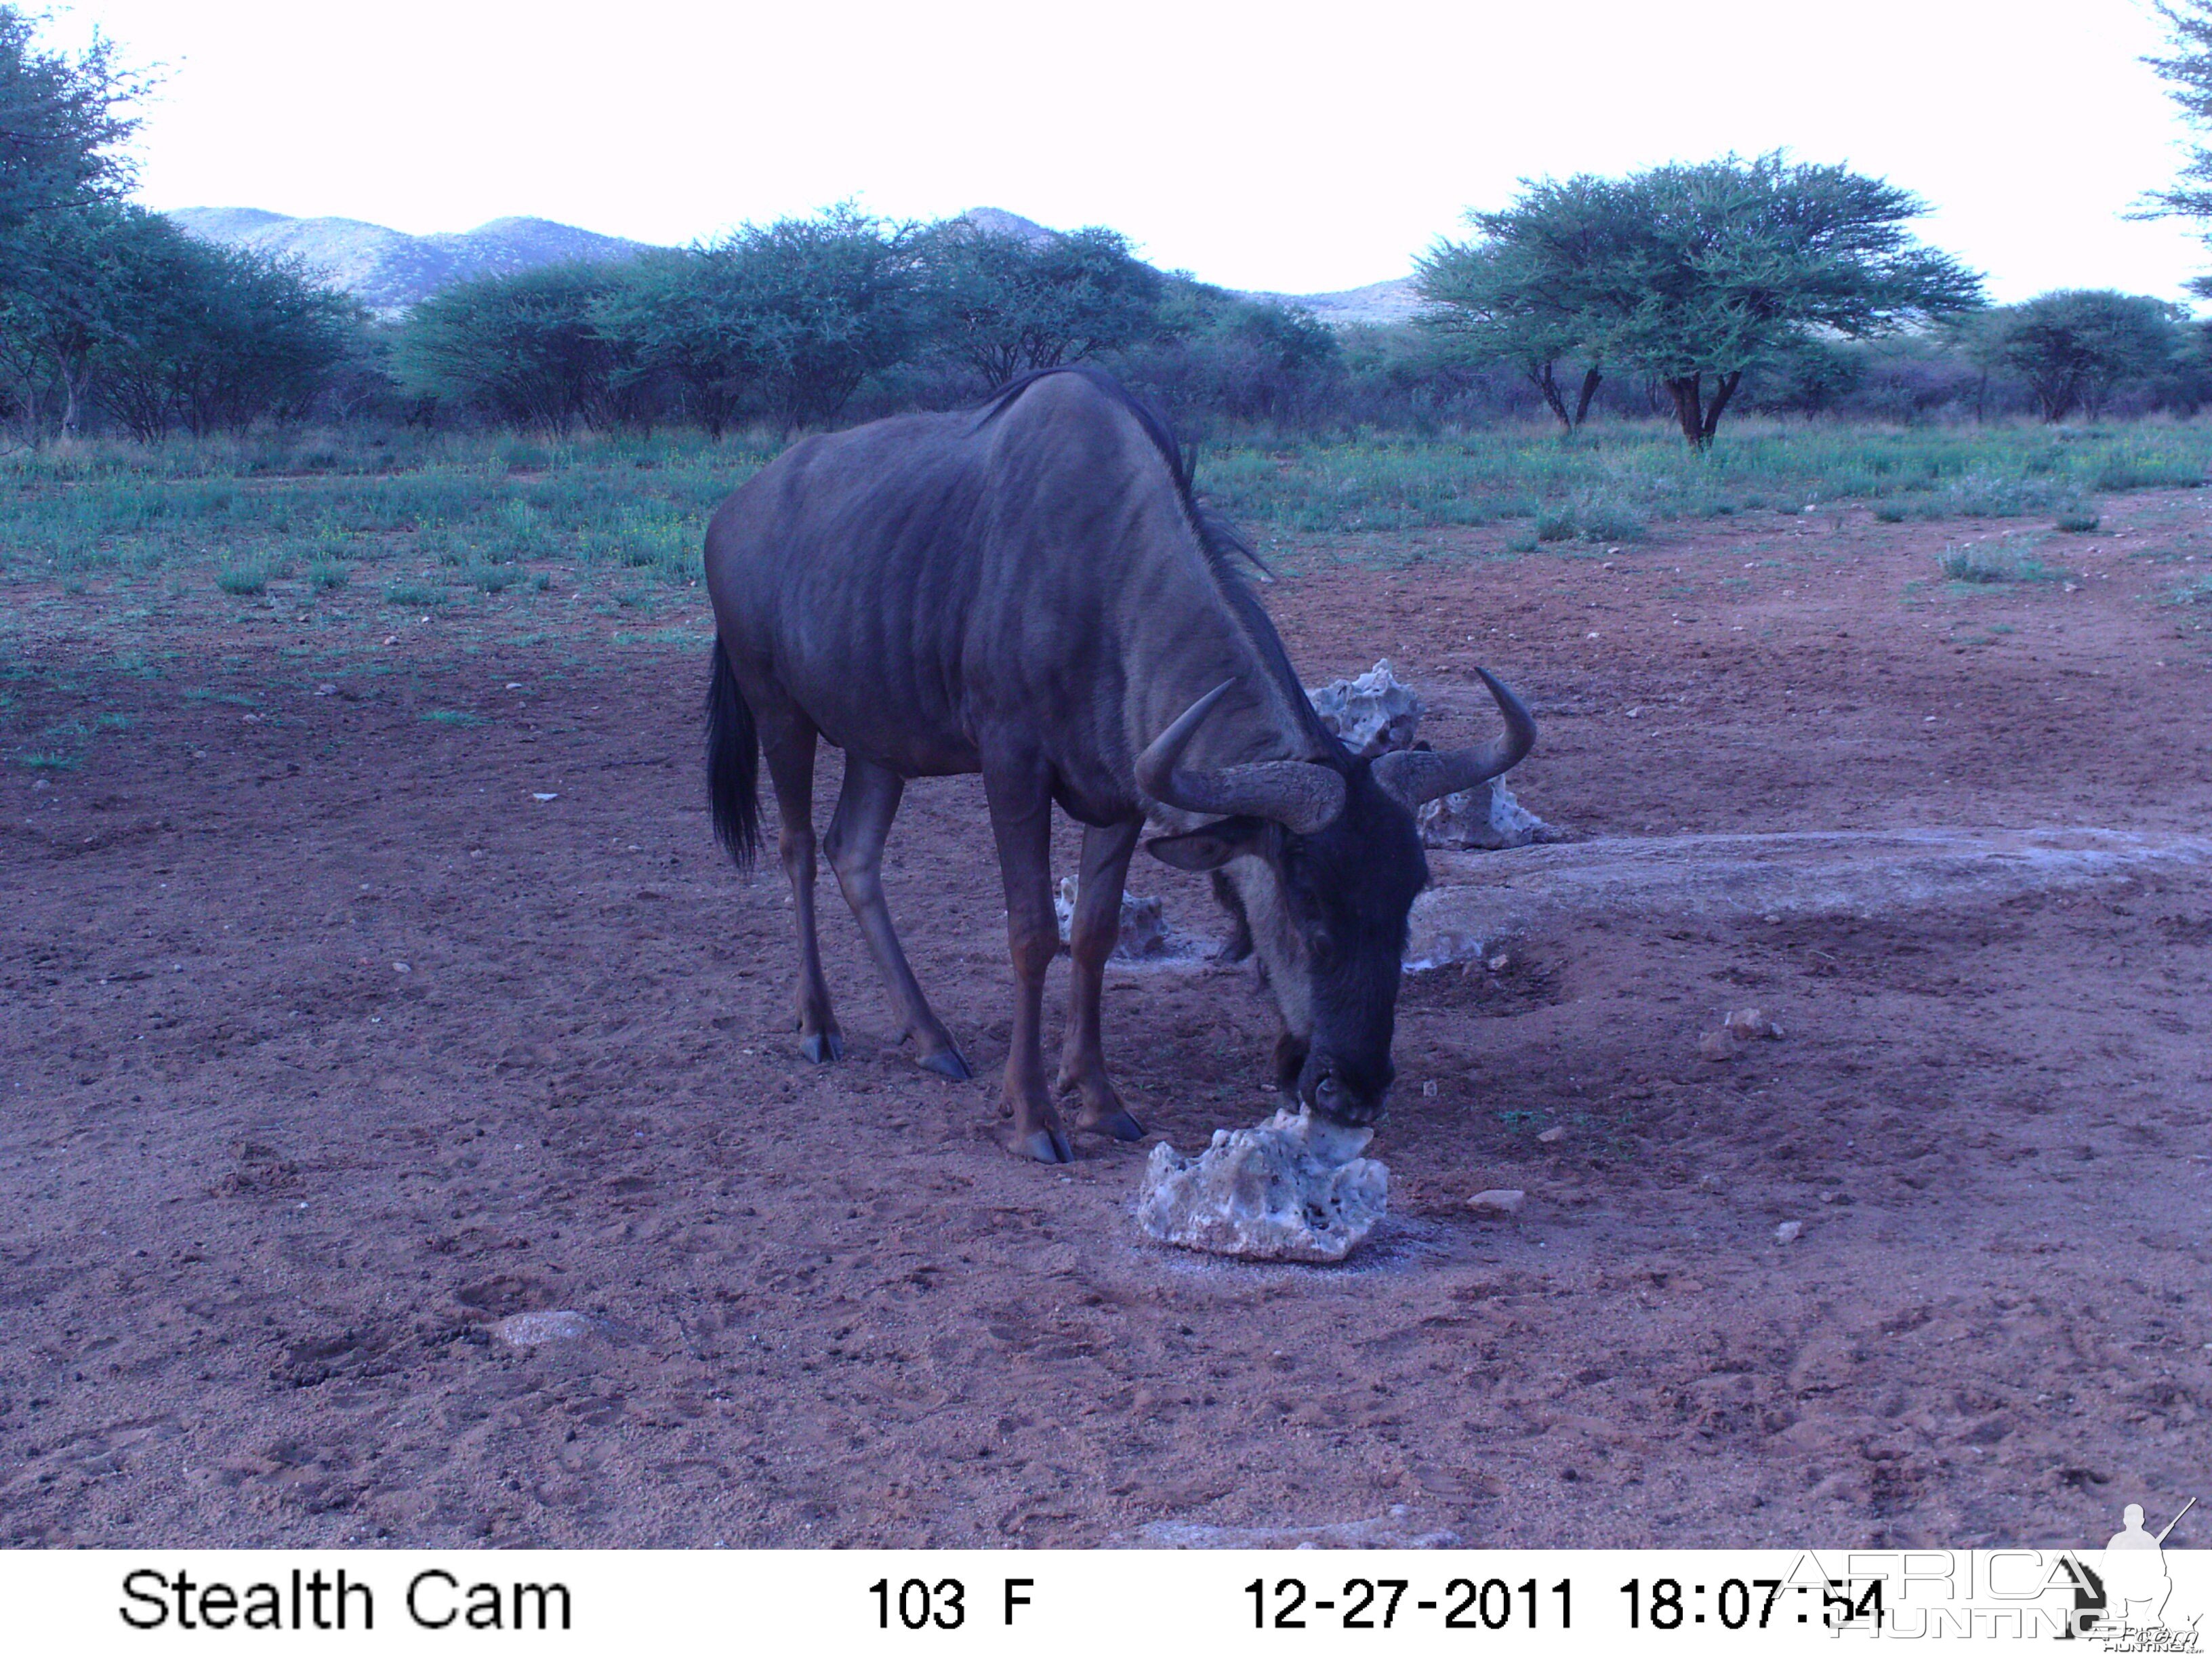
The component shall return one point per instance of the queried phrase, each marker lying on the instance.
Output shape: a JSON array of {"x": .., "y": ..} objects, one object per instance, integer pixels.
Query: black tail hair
[{"x": 732, "y": 763}]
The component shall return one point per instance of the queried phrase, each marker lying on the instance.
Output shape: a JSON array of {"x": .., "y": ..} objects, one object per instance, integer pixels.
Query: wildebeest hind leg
[
  {"x": 787, "y": 741},
  {"x": 1097, "y": 926},
  {"x": 1020, "y": 794},
  {"x": 858, "y": 830}
]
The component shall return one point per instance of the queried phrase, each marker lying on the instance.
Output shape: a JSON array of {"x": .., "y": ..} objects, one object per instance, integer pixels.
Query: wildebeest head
[{"x": 1325, "y": 863}]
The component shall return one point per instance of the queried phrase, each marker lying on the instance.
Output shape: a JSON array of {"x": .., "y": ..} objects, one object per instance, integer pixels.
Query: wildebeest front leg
[
  {"x": 857, "y": 828},
  {"x": 1091, "y": 936},
  {"x": 1021, "y": 821},
  {"x": 787, "y": 741}
]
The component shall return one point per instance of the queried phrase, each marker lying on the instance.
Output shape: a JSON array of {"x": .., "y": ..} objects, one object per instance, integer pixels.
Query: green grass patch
[
  {"x": 2149, "y": 472},
  {"x": 453, "y": 717},
  {"x": 244, "y": 511},
  {"x": 684, "y": 636},
  {"x": 48, "y": 760}
]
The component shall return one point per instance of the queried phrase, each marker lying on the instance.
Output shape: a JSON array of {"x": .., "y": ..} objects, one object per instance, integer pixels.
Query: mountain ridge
[{"x": 389, "y": 271}]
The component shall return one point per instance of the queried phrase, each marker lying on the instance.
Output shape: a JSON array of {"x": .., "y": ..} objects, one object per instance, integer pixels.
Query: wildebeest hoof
[
  {"x": 946, "y": 1063},
  {"x": 1045, "y": 1146},
  {"x": 1117, "y": 1123},
  {"x": 822, "y": 1046}
]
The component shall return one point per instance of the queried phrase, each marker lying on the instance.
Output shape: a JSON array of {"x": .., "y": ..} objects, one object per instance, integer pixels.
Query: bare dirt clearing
[{"x": 340, "y": 1028}]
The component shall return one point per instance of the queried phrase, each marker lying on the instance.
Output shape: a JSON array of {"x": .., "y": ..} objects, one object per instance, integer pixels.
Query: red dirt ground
[{"x": 263, "y": 1191}]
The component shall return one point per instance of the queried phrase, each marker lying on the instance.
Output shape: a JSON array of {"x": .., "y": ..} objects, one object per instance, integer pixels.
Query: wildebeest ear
[{"x": 1211, "y": 845}]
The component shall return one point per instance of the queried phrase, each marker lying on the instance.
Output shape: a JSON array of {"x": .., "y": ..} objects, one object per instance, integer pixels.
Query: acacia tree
[
  {"x": 177, "y": 333},
  {"x": 59, "y": 305},
  {"x": 1691, "y": 273},
  {"x": 63, "y": 123},
  {"x": 2187, "y": 71},
  {"x": 1500, "y": 299},
  {"x": 678, "y": 323},
  {"x": 785, "y": 320},
  {"x": 2075, "y": 347},
  {"x": 814, "y": 307},
  {"x": 1007, "y": 305},
  {"x": 1253, "y": 359},
  {"x": 527, "y": 348}
]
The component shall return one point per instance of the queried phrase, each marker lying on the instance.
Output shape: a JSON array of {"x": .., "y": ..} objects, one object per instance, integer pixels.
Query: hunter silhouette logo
[{"x": 2120, "y": 1603}]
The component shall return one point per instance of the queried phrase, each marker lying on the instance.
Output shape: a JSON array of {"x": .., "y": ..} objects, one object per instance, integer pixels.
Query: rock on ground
[
  {"x": 1377, "y": 713},
  {"x": 1373, "y": 714},
  {"x": 1486, "y": 818},
  {"x": 1746, "y": 1024},
  {"x": 1144, "y": 928},
  {"x": 1295, "y": 1188},
  {"x": 528, "y": 1330}
]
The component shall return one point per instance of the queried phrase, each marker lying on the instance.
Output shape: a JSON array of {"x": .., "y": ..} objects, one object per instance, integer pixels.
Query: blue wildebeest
[{"x": 1031, "y": 590}]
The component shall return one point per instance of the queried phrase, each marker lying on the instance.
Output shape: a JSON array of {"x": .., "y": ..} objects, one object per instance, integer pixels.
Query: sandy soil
[{"x": 328, "y": 1044}]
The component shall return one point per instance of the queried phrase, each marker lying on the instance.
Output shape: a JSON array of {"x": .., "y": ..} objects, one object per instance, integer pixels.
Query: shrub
[
  {"x": 2148, "y": 473},
  {"x": 1987, "y": 495},
  {"x": 1602, "y": 518},
  {"x": 245, "y": 581},
  {"x": 325, "y": 577},
  {"x": 415, "y": 596},
  {"x": 2077, "y": 521},
  {"x": 1970, "y": 562}
]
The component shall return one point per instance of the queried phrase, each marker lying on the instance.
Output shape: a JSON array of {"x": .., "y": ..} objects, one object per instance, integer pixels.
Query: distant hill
[
  {"x": 997, "y": 221},
  {"x": 1391, "y": 302},
  {"x": 388, "y": 270}
]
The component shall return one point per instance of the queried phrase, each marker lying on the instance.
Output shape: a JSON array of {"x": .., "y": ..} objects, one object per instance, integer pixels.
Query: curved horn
[
  {"x": 1300, "y": 796},
  {"x": 1415, "y": 775}
]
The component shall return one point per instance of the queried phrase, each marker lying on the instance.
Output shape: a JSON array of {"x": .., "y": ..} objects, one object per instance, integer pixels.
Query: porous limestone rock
[
  {"x": 530, "y": 1330},
  {"x": 1144, "y": 928},
  {"x": 1373, "y": 714},
  {"x": 1295, "y": 1188},
  {"x": 1377, "y": 713},
  {"x": 1482, "y": 819}
]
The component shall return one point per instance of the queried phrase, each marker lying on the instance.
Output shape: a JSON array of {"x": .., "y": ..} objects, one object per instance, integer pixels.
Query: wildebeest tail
[{"x": 732, "y": 763}]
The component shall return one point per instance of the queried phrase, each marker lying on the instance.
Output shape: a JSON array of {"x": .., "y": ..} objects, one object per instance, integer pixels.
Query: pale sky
[{"x": 1259, "y": 146}]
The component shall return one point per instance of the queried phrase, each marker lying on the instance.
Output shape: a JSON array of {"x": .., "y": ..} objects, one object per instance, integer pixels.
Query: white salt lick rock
[
  {"x": 1295, "y": 1188},
  {"x": 529, "y": 1330}
]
